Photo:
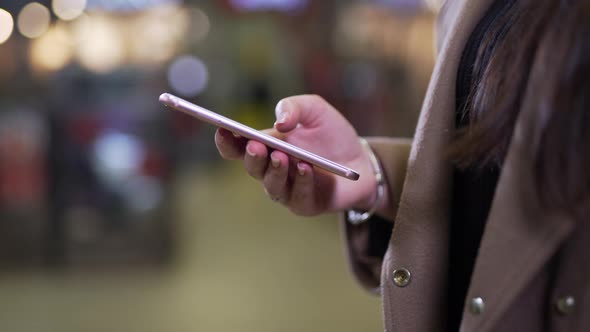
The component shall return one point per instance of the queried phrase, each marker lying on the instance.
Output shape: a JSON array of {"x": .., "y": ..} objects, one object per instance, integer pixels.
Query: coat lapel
[
  {"x": 520, "y": 236},
  {"x": 420, "y": 237}
]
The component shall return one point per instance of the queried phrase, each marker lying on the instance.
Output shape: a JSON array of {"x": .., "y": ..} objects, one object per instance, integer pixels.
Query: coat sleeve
[{"x": 366, "y": 243}]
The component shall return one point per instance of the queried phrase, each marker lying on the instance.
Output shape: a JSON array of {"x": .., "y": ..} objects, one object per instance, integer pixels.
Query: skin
[{"x": 309, "y": 122}]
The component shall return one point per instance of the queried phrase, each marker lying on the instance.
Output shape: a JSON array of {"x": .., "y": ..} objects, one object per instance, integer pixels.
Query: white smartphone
[{"x": 218, "y": 120}]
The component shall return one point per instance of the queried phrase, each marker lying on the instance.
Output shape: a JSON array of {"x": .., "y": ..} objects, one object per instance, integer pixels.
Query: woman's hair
[{"x": 536, "y": 58}]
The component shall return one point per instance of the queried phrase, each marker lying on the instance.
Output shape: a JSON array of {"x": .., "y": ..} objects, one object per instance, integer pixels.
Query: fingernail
[
  {"x": 300, "y": 169},
  {"x": 283, "y": 117},
  {"x": 283, "y": 110},
  {"x": 249, "y": 151},
  {"x": 274, "y": 161}
]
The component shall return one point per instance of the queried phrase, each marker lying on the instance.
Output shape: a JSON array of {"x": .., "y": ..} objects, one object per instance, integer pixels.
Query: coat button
[
  {"x": 401, "y": 277},
  {"x": 565, "y": 305},
  {"x": 476, "y": 305}
]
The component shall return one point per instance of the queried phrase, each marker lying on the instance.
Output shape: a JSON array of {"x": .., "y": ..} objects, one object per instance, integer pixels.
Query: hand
[{"x": 309, "y": 122}]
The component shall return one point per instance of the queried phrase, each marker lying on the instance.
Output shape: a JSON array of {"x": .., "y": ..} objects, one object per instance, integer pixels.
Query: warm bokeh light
[
  {"x": 99, "y": 45},
  {"x": 52, "y": 51},
  {"x": 68, "y": 9},
  {"x": 33, "y": 20},
  {"x": 6, "y": 25},
  {"x": 154, "y": 36},
  {"x": 188, "y": 76}
]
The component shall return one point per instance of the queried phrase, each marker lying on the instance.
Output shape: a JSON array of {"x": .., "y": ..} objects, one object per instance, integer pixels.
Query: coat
[{"x": 532, "y": 271}]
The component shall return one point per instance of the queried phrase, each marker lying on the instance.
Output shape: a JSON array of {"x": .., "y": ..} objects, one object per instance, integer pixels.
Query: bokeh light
[
  {"x": 117, "y": 156},
  {"x": 188, "y": 76},
  {"x": 68, "y": 9},
  {"x": 99, "y": 45},
  {"x": 153, "y": 37},
  {"x": 33, "y": 20},
  {"x": 53, "y": 50},
  {"x": 6, "y": 25}
]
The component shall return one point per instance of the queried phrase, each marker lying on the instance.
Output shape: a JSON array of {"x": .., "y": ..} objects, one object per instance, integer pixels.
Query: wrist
[{"x": 376, "y": 192}]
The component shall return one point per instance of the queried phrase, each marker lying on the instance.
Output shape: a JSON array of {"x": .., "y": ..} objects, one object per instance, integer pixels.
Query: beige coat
[{"x": 532, "y": 272}]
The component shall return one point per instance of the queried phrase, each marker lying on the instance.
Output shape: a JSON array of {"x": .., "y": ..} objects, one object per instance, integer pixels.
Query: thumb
[{"x": 304, "y": 110}]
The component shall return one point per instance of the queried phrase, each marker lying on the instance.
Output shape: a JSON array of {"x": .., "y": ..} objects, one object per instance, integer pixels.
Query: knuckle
[
  {"x": 226, "y": 153},
  {"x": 268, "y": 184},
  {"x": 317, "y": 99},
  {"x": 253, "y": 171},
  {"x": 301, "y": 197},
  {"x": 273, "y": 179},
  {"x": 226, "y": 150},
  {"x": 223, "y": 152}
]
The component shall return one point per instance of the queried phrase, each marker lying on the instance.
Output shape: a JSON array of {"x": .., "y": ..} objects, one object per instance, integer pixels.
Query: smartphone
[{"x": 218, "y": 120}]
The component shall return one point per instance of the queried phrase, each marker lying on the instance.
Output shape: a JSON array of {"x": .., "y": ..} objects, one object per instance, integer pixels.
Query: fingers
[
  {"x": 254, "y": 154},
  {"x": 275, "y": 179},
  {"x": 302, "y": 200},
  {"x": 229, "y": 146},
  {"x": 256, "y": 159},
  {"x": 305, "y": 110},
  {"x": 285, "y": 180},
  {"x": 299, "y": 194}
]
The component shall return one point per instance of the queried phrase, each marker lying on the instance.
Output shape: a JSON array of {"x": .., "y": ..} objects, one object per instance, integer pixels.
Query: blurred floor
[{"x": 244, "y": 264}]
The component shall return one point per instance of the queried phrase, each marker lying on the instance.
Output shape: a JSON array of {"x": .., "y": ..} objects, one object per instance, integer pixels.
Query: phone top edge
[{"x": 168, "y": 99}]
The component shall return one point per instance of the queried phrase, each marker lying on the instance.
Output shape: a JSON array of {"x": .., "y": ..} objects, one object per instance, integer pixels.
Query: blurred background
[{"x": 118, "y": 215}]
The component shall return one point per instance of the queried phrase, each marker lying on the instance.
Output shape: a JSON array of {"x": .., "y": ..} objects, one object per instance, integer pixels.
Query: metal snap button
[
  {"x": 476, "y": 305},
  {"x": 401, "y": 277},
  {"x": 565, "y": 305}
]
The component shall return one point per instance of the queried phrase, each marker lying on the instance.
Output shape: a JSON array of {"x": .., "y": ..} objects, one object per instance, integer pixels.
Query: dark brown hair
[{"x": 540, "y": 46}]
